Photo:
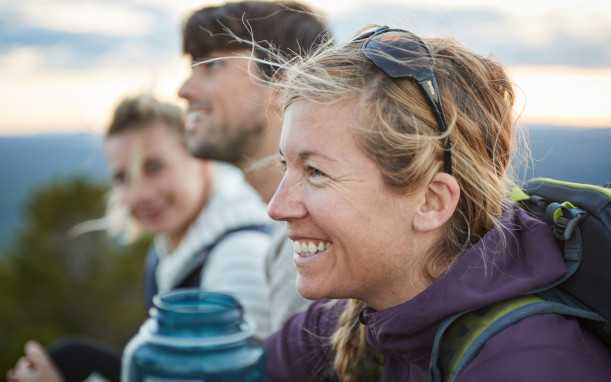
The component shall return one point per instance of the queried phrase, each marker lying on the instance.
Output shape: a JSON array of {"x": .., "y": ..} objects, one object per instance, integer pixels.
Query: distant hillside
[{"x": 26, "y": 162}]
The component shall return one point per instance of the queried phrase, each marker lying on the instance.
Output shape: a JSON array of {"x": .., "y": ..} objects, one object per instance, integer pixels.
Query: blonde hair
[
  {"x": 402, "y": 137},
  {"x": 139, "y": 111},
  {"x": 132, "y": 113}
]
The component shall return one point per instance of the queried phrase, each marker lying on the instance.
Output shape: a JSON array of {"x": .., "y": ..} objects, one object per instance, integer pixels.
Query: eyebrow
[{"x": 304, "y": 155}]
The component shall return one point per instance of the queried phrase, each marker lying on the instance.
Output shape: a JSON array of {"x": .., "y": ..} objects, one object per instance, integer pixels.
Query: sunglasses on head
[{"x": 401, "y": 54}]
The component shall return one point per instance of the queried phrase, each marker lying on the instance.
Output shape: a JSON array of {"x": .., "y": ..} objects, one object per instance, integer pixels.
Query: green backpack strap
[
  {"x": 460, "y": 338},
  {"x": 518, "y": 194}
]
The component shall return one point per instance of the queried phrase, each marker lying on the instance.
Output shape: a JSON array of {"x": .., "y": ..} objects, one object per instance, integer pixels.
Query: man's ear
[{"x": 438, "y": 204}]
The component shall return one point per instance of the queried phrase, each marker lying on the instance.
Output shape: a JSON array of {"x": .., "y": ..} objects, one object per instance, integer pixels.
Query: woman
[
  {"x": 396, "y": 156},
  {"x": 210, "y": 226}
]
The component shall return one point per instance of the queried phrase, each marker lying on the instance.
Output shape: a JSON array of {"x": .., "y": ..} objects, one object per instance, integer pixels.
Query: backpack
[
  {"x": 580, "y": 217},
  {"x": 193, "y": 279}
]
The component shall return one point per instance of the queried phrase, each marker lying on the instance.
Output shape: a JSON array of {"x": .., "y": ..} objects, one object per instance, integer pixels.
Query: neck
[
  {"x": 411, "y": 276},
  {"x": 174, "y": 238},
  {"x": 260, "y": 170}
]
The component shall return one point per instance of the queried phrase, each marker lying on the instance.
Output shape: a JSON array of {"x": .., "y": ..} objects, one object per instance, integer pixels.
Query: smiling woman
[
  {"x": 209, "y": 225},
  {"x": 325, "y": 167},
  {"x": 154, "y": 177},
  {"x": 210, "y": 229},
  {"x": 396, "y": 153}
]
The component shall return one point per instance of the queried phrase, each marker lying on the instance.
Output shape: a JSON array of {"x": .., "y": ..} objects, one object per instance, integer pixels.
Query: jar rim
[{"x": 195, "y": 301}]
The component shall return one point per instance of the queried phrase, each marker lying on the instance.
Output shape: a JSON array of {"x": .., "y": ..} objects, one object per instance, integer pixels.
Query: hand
[{"x": 34, "y": 366}]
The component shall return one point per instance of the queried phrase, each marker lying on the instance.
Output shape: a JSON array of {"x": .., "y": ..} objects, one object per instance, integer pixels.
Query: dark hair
[
  {"x": 285, "y": 27},
  {"x": 138, "y": 111}
]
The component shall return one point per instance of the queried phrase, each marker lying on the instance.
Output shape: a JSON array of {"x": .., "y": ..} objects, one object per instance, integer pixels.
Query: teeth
[
  {"x": 297, "y": 246},
  {"x": 192, "y": 120},
  {"x": 310, "y": 248}
]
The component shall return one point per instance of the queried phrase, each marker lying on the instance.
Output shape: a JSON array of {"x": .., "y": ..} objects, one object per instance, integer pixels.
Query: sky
[{"x": 64, "y": 64}]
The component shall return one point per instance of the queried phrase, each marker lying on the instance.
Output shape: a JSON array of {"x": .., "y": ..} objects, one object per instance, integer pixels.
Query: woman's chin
[
  {"x": 310, "y": 289},
  {"x": 153, "y": 229}
]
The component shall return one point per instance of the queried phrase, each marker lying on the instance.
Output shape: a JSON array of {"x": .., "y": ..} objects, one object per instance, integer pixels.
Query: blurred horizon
[
  {"x": 66, "y": 63},
  {"x": 34, "y": 162}
]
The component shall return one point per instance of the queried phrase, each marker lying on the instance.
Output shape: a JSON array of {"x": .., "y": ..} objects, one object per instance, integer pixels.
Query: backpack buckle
[{"x": 565, "y": 217}]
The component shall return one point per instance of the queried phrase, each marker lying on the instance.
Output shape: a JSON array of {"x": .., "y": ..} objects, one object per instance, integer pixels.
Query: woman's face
[
  {"x": 352, "y": 236},
  {"x": 162, "y": 186}
]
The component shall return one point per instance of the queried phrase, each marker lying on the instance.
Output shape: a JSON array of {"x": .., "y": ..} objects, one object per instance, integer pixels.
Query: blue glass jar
[{"x": 194, "y": 335}]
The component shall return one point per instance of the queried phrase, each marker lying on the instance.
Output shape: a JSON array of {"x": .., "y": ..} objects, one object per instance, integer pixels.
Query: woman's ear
[{"x": 440, "y": 199}]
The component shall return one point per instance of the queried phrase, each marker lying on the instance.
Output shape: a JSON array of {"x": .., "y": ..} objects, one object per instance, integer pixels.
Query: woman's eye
[{"x": 314, "y": 173}]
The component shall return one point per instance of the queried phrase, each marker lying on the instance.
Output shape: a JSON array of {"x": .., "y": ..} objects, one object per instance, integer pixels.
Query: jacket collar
[
  {"x": 233, "y": 203},
  {"x": 505, "y": 263}
]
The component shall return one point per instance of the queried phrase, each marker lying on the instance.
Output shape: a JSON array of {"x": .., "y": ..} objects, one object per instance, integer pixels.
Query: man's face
[{"x": 226, "y": 107}]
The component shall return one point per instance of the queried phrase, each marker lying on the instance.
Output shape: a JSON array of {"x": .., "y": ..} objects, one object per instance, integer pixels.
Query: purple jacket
[{"x": 546, "y": 347}]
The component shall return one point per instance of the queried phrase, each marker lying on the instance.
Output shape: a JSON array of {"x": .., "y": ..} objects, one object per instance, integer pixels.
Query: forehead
[
  {"x": 328, "y": 127},
  {"x": 155, "y": 138},
  {"x": 231, "y": 55}
]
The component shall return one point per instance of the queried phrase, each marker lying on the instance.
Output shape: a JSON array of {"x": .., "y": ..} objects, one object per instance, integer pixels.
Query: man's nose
[{"x": 185, "y": 89}]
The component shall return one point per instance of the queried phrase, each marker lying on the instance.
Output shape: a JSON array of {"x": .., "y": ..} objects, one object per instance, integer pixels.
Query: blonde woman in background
[
  {"x": 210, "y": 227},
  {"x": 396, "y": 194}
]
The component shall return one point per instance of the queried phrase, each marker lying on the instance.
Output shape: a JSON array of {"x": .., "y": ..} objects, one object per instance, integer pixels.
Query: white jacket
[{"x": 236, "y": 264}]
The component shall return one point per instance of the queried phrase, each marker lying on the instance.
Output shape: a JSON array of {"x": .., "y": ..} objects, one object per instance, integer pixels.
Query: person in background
[
  {"x": 233, "y": 114},
  {"x": 396, "y": 190},
  {"x": 210, "y": 230}
]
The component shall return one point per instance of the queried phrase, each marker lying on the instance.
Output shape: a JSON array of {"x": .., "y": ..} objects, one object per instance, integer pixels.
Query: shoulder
[
  {"x": 230, "y": 185},
  {"x": 233, "y": 204},
  {"x": 237, "y": 255},
  {"x": 545, "y": 347},
  {"x": 301, "y": 349},
  {"x": 243, "y": 243},
  {"x": 279, "y": 257},
  {"x": 318, "y": 321}
]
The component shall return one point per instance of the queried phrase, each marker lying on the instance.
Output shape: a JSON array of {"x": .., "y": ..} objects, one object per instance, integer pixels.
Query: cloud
[
  {"x": 552, "y": 38},
  {"x": 80, "y": 36},
  {"x": 63, "y": 74},
  {"x": 76, "y": 35},
  {"x": 44, "y": 100},
  {"x": 61, "y": 49},
  {"x": 101, "y": 18}
]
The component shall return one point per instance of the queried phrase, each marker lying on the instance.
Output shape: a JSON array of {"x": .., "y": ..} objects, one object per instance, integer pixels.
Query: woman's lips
[
  {"x": 309, "y": 247},
  {"x": 148, "y": 215},
  {"x": 308, "y": 250}
]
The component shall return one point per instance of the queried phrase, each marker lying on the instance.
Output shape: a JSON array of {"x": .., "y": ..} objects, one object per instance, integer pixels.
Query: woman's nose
[
  {"x": 287, "y": 202},
  {"x": 136, "y": 193}
]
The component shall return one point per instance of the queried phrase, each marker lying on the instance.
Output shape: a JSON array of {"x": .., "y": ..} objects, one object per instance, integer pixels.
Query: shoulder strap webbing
[
  {"x": 461, "y": 337},
  {"x": 150, "y": 281},
  {"x": 193, "y": 279}
]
